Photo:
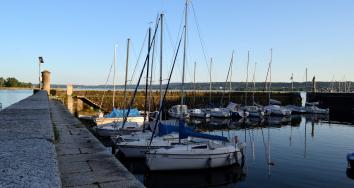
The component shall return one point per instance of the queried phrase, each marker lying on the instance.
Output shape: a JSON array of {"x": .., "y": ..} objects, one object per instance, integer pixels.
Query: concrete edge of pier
[{"x": 43, "y": 145}]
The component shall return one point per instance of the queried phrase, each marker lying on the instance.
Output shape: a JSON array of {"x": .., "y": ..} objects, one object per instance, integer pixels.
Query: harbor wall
[
  {"x": 27, "y": 151},
  {"x": 192, "y": 99},
  {"x": 341, "y": 105}
]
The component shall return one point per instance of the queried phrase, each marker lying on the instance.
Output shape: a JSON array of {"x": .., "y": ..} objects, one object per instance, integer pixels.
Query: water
[
  {"x": 9, "y": 97},
  {"x": 307, "y": 151}
]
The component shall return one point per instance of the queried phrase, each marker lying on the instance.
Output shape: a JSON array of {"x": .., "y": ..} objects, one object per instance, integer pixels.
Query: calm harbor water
[
  {"x": 305, "y": 151},
  {"x": 9, "y": 97}
]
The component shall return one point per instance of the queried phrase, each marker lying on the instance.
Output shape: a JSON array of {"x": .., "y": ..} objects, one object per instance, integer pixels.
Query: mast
[
  {"x": 161, "y": 47},
  {"x": 126, "y": 75},
  {"x": 306, "y": 79},
  {"x": 292, "y": 82},
  {"x": 147, "y": 78},
  {"x": 230, "y": 86},
  {"x": 254, "y": 82},
  {"x": 114, "y": 75},
  {"x": 270, "y": 74},
  {"x": 248, "y": 62},
  {"x": 194, "y": 86},
  {"x": 184, "y": 55},
  {"x": 211, "y": 62},
  {"x": 151, "y": 73}
]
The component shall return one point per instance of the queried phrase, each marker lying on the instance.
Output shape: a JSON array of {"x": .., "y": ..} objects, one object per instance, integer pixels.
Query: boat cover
[{"x": 119, "y": 113}]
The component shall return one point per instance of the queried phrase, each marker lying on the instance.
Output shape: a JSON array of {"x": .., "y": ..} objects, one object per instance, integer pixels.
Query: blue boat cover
[
  {"x": 119, "y": 113},
  {"x": 184, "y": 132}
]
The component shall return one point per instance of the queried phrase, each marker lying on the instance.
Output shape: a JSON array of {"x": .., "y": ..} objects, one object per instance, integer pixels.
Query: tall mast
[
  {"x": 114, "y": 74},
  {"x": 254, "y": 82},
  {"x": 147, "y": 77},
  {"x": 306, "y": 79},
  {"x": 184, "y": 54},
  {"x": 248, "y": 62},
  {"x": 230, "y": 86},
  {"x": 151, "y": 73},
  {"x": 292, "y": 82},
  {"x": 270, "y": 73},
  {"x": 161, "y": 45},
  {"x": 211, "y": 62},
  {"x": 126, "y": 75},
  {"x": 194, "y": 86}
]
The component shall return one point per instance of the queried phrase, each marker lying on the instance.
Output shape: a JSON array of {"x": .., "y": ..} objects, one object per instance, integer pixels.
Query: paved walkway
[
  {"x": 27, "y": 150},
  {"x": 83, "y": 160}
]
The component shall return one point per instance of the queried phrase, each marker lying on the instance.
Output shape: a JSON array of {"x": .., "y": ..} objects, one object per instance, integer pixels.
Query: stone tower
[{"x": 46, "y": 81}]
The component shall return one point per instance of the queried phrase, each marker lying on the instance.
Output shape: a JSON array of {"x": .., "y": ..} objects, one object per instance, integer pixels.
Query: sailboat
[
  {"x": 254, "y": 110},
  {"x": 164, "y": 132},
  {"x": 117, "y": 115},
  {"x": 208, "y": 152},
  {"x": 197, "y": 112},
  {"x": 274, "y": 108},
  {"x": 312, "y": 107}
]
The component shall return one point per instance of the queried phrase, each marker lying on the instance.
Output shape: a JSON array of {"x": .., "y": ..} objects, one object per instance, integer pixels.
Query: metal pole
[
  {"x": 147, "y": 78},
  {"x": 211, "y": 62},
  {"x": 161, "y": 47},
  {"x": 114, "y": 75},
  {"x": 248, "y": 62},
  {"x": 39, "y": 75},
  {"x": 126, "y": 75}
]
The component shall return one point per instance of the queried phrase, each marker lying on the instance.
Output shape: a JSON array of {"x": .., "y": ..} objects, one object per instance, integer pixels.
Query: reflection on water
[{"x": 296, "y": 151}]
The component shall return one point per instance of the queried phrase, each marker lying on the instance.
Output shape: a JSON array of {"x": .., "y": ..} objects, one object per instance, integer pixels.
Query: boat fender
[
  {"x": 350, "y": 159},
  {"x": 209, "y": 163},
  {"x": 114, "y": 149}
]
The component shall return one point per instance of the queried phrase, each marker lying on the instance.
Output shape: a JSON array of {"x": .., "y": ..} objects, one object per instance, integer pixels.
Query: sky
[{"x": 77, "y": 38}]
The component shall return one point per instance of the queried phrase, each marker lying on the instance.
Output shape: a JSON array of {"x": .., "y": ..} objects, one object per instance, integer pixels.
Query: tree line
[{"x": 13, "y": 82}]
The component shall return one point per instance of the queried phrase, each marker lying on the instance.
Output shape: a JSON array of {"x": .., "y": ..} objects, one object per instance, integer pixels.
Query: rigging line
[
  {"x": 137, "y": 61},
  {"x": 125, "y": 118},
  {"x": 164, "y": 95},
  {"x": 180, "y": 32},
  {"x": 200, "y": 37},
  {"x": 106, "y": 84},
  {"x": 227, "y": 78}
]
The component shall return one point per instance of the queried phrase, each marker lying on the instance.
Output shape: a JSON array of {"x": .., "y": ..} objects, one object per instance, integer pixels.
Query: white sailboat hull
[
  {"x": 104, "y": 120},
  {"x": 191, "y": 160}
]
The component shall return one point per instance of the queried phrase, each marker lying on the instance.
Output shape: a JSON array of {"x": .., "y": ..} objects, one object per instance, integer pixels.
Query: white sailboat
[
  {"x": 312, "y": 107},
  {"x": 177, "y": 111},
  {"x": 274, "y": 108},
  {"x": 202, "y": 154},
  {"x": 163, "y": 131},
  {"x": 112, "y": 124}
]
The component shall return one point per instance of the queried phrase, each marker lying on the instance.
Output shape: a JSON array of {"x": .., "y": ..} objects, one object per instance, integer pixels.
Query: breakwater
[
  {"x": 192, "y": 99},
  {"x": 43, "y": 145}
]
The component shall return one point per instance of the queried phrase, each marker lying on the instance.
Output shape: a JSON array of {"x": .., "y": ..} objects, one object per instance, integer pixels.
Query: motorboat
[
  {"x": 176, "y": 110},
  {"x": 296, "y": 109},
  {"x": 219, "y": 112},
  {"x": 314, "y": 109},
  {"x": 277, "y": 110},
  {"x": 198, "y": 113},
  {"x": 254, "y": 111},
  {"x": 236, "y": 111}
]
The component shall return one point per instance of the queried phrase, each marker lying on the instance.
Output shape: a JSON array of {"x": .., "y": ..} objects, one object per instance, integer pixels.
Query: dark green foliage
[{"x": 13, "y": 82}]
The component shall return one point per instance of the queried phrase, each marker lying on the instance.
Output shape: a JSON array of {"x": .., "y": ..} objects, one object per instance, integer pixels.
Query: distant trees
[{"x": 13, "y": 82}]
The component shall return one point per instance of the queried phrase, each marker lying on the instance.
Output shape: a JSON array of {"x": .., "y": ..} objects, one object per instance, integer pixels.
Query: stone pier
[{"x": 43, "y": 145}]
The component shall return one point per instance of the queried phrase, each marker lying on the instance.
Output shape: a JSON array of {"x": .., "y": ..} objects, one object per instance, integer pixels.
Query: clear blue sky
[{"x": 76, "y": 38}]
